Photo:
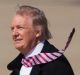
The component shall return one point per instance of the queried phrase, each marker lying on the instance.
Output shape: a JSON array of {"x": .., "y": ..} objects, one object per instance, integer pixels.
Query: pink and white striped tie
[{"x": 42, "y": 58}]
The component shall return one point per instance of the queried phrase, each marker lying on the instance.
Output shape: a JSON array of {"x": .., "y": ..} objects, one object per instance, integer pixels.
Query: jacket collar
[{"x": 48, "y": 48}]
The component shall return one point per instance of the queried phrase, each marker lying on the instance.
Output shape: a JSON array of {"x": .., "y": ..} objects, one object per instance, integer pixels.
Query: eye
[
  {"x": 20, "y": 27},
  {"x": 12, "y": 28}
]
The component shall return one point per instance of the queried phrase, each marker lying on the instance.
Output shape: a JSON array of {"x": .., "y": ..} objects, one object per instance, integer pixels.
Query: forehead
[{"x": 19, "y": 19}]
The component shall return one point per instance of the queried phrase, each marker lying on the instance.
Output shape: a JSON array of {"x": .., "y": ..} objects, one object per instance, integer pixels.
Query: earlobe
[{"x": 38, "y": 34}]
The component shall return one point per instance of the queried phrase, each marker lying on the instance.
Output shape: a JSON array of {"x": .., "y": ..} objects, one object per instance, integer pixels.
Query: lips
[{"x": 17, "y": 40}]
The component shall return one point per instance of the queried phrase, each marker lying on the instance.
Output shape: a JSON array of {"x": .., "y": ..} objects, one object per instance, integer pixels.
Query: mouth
[{"x": 17, "y": 40}]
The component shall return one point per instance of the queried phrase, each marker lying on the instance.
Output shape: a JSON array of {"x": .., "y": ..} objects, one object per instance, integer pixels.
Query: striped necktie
[{"x": 42, "y": 58}]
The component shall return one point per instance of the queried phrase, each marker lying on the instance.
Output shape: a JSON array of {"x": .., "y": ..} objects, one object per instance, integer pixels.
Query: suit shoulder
[{"x": 61, "y": 66}]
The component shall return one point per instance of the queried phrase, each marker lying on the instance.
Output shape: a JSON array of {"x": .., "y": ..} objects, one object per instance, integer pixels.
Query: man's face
[{"x": 23, "y": 33}]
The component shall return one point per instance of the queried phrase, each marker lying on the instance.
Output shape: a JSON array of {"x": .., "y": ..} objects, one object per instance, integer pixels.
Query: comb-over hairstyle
[{"x": 38, "y": 18}]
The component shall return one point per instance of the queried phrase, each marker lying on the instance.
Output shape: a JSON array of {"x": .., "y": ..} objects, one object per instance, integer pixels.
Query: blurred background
[{"x": 62, "y": 16}]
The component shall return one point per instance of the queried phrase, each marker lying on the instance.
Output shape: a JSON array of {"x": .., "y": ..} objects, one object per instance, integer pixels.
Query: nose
[{"x": 15, "y": 33}]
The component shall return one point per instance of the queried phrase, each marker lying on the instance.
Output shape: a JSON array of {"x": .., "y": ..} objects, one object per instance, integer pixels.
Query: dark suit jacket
[{"x": 58, "y": 67}]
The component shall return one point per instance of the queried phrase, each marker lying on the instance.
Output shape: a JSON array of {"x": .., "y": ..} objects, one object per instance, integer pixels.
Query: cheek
[{"x": 29, "y": 36}]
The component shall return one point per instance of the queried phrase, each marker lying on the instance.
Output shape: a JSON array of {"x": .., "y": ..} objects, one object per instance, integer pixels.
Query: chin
[
  {"x": 19, "y": 47},
  {"x": 21, "y": 50}
]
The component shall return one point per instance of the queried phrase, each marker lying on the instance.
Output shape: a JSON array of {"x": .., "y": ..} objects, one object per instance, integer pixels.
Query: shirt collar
[{"x": 37, "y": 49}]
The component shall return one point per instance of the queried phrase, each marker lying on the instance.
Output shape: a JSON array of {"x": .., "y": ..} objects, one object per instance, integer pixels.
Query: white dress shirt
[{"x": 27, "y": 70}]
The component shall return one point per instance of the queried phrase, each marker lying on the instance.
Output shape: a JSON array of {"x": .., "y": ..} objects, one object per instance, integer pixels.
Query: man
[{"x": 30, "y": 34}]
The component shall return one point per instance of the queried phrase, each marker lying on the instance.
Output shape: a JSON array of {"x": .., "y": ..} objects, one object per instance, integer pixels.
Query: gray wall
[{"x": 62, "y": 16}]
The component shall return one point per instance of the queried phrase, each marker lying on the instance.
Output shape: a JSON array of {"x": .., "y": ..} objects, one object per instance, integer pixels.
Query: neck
[{"x": 29, "y": 48}]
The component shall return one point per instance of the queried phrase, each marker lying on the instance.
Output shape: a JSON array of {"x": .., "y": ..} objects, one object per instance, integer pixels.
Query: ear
[{"x": 38, "y": 31}]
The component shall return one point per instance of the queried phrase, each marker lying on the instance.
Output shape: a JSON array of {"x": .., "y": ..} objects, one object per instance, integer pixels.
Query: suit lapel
[
  {"x": 35, "y": 70},
  {"x": 16, "y": 63}
]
